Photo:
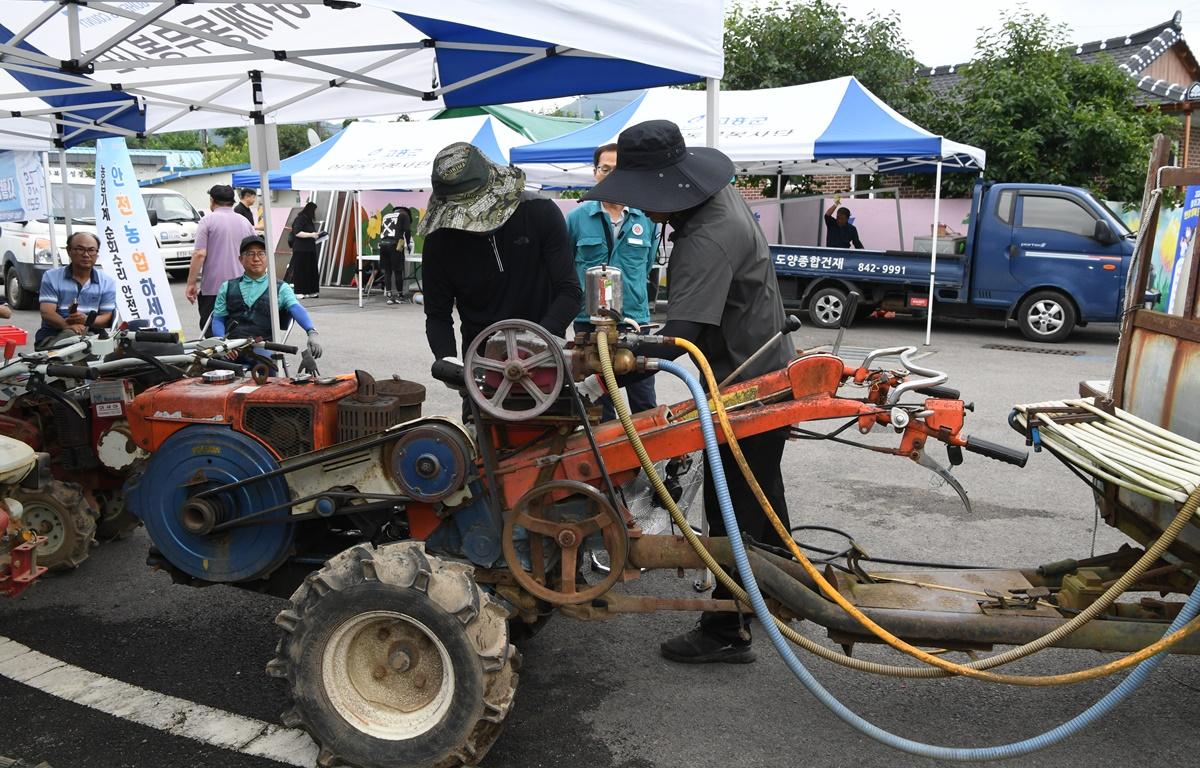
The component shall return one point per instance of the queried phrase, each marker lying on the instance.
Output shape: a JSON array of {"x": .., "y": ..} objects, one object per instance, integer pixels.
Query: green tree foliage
[
  {"x": 232, "y": 144},
  {"x": 778, "y": 44},
  {"x": 1043, "y": 115},
  {"x": 782, "y": 43},
  {"x": 176, "y": 140}
]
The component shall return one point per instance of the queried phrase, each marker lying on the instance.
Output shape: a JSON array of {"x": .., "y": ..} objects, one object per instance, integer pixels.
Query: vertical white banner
[
  {"x": 128, "y": 250},
  {"x": 22, "y": 187}
]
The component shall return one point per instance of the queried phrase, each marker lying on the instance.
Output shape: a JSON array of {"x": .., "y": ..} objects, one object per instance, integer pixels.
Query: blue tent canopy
[
  {"x": 282, "y": 178},
  {"x": 834, "y": 126}
]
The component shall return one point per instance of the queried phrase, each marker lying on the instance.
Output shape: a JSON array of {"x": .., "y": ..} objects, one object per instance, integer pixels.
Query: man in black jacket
[{"x": 491, "y": 251}]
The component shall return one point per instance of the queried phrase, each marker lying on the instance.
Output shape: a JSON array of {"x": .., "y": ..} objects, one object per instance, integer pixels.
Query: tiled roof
[{"x": 1132, "y": 53}]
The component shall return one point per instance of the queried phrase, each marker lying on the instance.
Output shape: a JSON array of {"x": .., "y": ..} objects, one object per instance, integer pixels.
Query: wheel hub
[
  {"x": 44, "y": 520},
  {"x": 388, "y": 675}
]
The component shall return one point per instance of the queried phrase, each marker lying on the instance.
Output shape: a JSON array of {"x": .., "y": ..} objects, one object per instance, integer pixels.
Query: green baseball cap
[{"x": 470, "y": 192}]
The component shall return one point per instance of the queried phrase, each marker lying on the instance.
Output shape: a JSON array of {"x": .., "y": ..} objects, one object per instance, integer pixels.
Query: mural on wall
[
  {"x": 1172, "y": 241},
  {"x": 376, "y": 205}
]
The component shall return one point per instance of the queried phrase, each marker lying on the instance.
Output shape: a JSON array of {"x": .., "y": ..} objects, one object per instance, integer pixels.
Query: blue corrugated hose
[{"x": 1127, "y": 686}]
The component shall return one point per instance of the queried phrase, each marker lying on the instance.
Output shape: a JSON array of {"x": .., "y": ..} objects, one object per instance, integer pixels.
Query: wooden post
[
  {"x": 1139, "y": 267},
  {"x": 1187, "y": 136}
]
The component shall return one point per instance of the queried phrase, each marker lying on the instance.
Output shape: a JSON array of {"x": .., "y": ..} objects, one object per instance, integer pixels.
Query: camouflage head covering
[{"x": 470, "y": 192}]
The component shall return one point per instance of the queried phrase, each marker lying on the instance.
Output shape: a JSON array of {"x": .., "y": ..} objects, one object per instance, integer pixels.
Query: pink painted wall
[{"x": 875, "y": 220}]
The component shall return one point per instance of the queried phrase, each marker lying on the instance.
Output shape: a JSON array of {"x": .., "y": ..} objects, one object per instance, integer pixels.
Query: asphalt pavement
[{"x": 599, "y": 695}]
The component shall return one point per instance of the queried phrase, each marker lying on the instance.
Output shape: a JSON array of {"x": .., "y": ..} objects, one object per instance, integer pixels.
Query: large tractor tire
[
  {"x": 61, "y": 514},
  {"x": 396, "y": 659}
]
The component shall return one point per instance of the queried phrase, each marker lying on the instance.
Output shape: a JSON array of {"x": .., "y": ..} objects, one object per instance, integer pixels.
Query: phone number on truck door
[
  {"x": 881, "y": 269},
  {"x": 804, "y": 261}
]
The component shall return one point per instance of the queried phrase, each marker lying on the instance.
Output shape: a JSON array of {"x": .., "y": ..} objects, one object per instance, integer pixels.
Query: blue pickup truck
[{"x": 1047, "y": 257}]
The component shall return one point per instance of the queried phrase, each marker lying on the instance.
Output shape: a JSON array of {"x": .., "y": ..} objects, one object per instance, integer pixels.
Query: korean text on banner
[
  {"x": 22, "y": 187},
  {"x": 128, "y": 250}
]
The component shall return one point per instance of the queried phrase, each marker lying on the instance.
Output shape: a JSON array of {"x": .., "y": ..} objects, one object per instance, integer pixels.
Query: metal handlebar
[{"x": 932, "y": 378}]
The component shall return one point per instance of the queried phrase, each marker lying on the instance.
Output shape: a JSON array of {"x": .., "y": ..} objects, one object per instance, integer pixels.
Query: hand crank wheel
[
  {"x": 514, "y": 370},
  {"x": 548, "y": 525}
]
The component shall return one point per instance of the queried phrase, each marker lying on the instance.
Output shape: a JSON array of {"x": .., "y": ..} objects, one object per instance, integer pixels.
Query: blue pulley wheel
[
  {"x": 430, "y": 462},
  {"x": 199, "y": 458}
]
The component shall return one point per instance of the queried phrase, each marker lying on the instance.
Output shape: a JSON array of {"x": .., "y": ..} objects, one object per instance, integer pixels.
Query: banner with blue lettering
[
  {"x": 22, "y": 186},
  {"x": 128, "y": 250}
]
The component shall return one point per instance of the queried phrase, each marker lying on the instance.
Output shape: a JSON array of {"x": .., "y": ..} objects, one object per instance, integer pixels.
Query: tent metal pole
[
  {"x": 712, "y": 120},
  {"x": 358, "y": 245},
  {"x": 141, "y": 23},
  {"x": 50, "y": 208},
  {"x": 264, "y": 184},
  {"x": 937, "y": 201},
  {"x": 102, "y": 120},
  {"x": 73, "y": 30},
  {"x": 50, "y": 12},
  {"x": 779, "y": 208},
  {"x": 62, "y": 172},
  {"x": 341, "y": 82},
  {"x": 899, "y": 218}
]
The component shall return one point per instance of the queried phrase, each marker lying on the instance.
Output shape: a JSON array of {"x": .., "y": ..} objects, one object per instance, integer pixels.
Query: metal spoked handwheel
[
  {"x": 514, "y": 370},
  {"x": 565, "y": 528}
]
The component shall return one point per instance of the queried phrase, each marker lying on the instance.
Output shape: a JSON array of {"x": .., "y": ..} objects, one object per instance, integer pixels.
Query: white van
[{"x": 25, "y": 245}]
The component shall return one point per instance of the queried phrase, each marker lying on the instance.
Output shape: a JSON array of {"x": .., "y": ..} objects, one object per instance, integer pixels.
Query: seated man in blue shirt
[
  {"x": 242, "y": 311},
  {"x": 70, "y": 294}
]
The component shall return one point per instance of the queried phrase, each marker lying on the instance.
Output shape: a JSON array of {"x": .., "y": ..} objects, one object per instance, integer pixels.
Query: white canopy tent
[
  {"x": 71, "y": 70},
  {"x": 395, "y": 156}
]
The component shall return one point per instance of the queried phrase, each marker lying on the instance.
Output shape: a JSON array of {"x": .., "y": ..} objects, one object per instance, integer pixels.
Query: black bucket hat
[{"x": 657, "y": 172}]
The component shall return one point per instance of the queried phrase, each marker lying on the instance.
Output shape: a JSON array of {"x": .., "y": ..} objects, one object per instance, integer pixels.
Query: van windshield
[
  {"x": 171, "y": 208},
  {"x": 81, "y": 199}
]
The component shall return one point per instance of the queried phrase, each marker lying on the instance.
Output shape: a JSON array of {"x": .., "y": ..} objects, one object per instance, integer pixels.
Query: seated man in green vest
[{"x": 242, "y": 309}]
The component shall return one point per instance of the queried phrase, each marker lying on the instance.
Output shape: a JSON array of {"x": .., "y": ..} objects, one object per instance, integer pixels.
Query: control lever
[
  {"x": 848, "y": 312},
  {"x": 790, "y": 325},
  {"x": 930, "y": 463}
]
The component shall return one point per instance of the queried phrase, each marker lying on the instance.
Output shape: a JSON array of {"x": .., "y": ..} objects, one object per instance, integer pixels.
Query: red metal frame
[{"x": 804, "y": 391}]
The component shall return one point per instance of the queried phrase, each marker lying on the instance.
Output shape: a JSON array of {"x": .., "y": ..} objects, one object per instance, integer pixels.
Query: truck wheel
[
  {"x": 61, "y": 514},
  {"x": 825, "y": 307},
  {"x": 18, "y": 297},
  {"x": 396, "y": 659},
  {"x": 1046, "y": 316}
]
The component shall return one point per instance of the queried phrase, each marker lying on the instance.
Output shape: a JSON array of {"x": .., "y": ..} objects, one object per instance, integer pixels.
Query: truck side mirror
[
  {"x": 1103, "y": 233},
  {"x": 153, "y": 214}
]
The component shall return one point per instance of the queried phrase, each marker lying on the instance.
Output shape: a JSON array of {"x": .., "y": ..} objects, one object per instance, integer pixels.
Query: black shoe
[{"x": 699, "y": 647}]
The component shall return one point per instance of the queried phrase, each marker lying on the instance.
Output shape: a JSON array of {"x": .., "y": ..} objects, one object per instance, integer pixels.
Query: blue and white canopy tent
[
  {"x": 390, "y": 156},
  {"x": 71, "y": 71},
  {"x": 829, "y": 127}
]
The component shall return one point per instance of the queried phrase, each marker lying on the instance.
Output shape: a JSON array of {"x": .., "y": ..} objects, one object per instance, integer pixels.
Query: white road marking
[{"x": 175, "y": 716}]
